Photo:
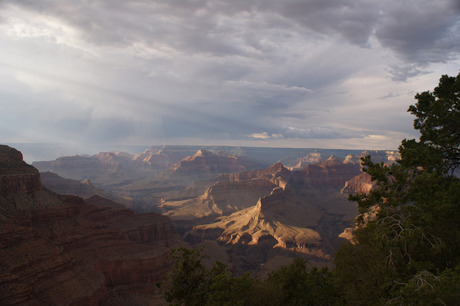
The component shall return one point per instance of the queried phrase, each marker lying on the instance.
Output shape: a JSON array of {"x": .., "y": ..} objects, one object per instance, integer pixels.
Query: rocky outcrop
[
  {"x": 359, "y": 184},
  {"x": 304, "y": 211},
  {"x": 332, "y": 172},
  {"x": 222, "y": 198},
  {"x": 62, "y": 250},
  {"x": 264, "y": 222},
  {"x": 205, "y": 162},
  {"x": 83, "y": 188},
  {"x": 73, "y": 167},
  {"x": 386, "y": 157},
  {"x": 275, "y": 173},
  {"x": 16, "y": 176},
  {"x": 58, "y": 184},
  {"x": 310, "y": 158},
  {"x": 162, "y": 157},
  {"x": 232, "y": 192}
]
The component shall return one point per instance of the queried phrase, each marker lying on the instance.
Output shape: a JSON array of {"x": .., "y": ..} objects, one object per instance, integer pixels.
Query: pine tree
[{"x": 408, "y": 235}]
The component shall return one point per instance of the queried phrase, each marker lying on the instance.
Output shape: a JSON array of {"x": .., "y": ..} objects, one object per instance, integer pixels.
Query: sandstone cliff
[
  {"x": 232, "y": 192},
  {"x": 265, "y": 221},
  {"x": 359, "y": 184},
  {"x": 222, "y": 198},
  {"x": 62, "y": 250},
  {"x": 303, "y": 212}
]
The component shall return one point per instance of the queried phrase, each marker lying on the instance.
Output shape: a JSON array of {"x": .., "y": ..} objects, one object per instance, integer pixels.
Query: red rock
[
  {"x": 359, "y": 184},
  {"x": 62, "y": 250}
]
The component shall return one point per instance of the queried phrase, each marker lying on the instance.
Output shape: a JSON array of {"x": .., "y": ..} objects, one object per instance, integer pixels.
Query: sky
[{"x": 276, "y": 73}]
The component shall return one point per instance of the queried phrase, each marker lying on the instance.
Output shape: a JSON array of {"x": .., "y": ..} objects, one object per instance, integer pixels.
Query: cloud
[
  {"x": 421, "y": 31},
  {"x": 213, "y": 71},
  {"x": 265, "y": 135},
  {"x": 322, "y": 132},
  {"x": 352, "y": 20},
  {"x": 402, "y": 72}
]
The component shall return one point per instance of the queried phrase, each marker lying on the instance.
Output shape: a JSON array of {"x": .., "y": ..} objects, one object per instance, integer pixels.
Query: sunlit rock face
[
  {"x": 265, "y": 220},
  {"x": 60, "y": 250},
  {"x": 359, "y": 184},
  {"x": 304, "y": 210}
]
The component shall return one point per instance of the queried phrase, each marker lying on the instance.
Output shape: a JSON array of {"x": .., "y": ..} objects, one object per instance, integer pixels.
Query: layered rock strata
[
  {"x": 304, "y": 210},
  {"x": 58, "y": 250}
]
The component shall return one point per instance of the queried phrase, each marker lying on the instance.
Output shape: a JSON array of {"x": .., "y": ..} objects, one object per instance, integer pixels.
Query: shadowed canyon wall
[{"x": 63, "y": 250}]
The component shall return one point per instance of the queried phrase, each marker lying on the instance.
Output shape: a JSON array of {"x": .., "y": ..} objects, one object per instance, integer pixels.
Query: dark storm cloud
[
  {"x": 402, "y": 72},
  {"x": 354, "y": 20},
  {"x": 418, "y": 31},
  {"x": 423, "y": 31}
]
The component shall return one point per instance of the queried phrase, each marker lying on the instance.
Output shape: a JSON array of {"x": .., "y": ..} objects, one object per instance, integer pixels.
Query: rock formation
[
  {"x": 16, "y": 176},
  {"x": 303, "y": 212},
  {"x": 207, "y": 163},
  {"x": 58, "y": 184},
  {"x": 222, "y": 198},
  {"x": 361, "y": 183},
  {"x": 331, "y": 172},
  {"x": 267, "y": 220},
  {"x": 310, "y": 158},
  {"x": 167, "y": 173},
  {"x": 83, "y": 188},
  {"x": 62, "y": 250},
  {"x": 162, "y": 157}
]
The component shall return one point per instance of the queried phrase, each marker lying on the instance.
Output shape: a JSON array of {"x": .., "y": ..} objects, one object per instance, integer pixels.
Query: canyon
[
  {"x": 98, "y": 229},
  {"x": 252, "y": 208},
  {"x": 61, "y": 249}
]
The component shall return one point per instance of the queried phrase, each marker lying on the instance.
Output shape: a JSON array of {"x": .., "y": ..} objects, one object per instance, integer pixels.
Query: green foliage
[
  {"x": 364, "y": 277},
  {"x": 187, "y": 282},
  {"x": 296, "y": 285},
  {"x": 408, "y": 237},
  {"x": 190, "y": 283},
  {"x": 438, "y": 120},
  {"x": 225, "y": 289},
  {"x": 427, "y": 288}
]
